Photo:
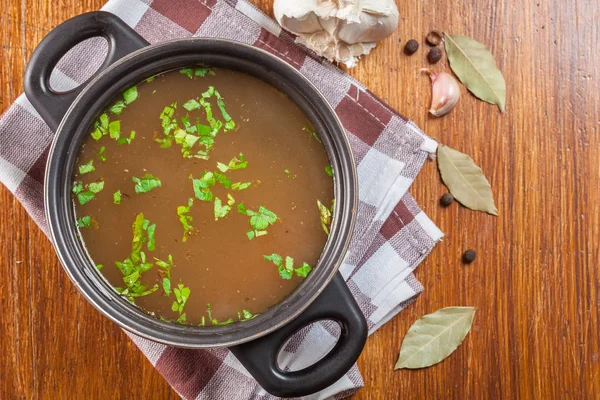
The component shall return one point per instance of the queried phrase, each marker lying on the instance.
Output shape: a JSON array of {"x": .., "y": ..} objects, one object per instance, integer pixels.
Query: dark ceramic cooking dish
[{"x": 256, "y": 343}]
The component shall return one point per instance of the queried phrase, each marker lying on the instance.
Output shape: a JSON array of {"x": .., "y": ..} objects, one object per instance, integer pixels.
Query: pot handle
[
  {"x": 53, "y": 105},
  {"x": 335, "y": 303}
]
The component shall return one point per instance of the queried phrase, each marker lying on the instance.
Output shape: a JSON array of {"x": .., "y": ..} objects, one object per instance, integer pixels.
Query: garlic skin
[
  {"x": 445, "y": 92},
  {"x": 339, "y": 30}
]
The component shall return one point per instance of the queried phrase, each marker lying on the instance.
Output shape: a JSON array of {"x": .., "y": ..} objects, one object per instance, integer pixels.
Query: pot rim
[{"x": 91, "y": 283}]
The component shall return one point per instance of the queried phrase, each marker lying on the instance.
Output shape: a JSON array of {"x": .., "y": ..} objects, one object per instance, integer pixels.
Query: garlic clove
[
  {"x": 339, "y": 30},
  {"x": 445, "y": 92}
]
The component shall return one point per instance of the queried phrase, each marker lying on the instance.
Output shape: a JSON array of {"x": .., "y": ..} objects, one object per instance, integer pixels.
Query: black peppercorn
[
  {"x": 435, "y": 55},
  {"x": 469, "y": 256},
  {"x": 446, "y": 199},
  {"x": 411, "y": 47},
  {"x": 434, "y": 38}
]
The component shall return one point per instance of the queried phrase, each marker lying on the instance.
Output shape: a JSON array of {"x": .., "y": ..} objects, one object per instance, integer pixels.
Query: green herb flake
[
  {"x": 117, "y": 197},
  {"x": 240, "y": 185},
  {"x": 99, "y": 266},
  {"x": 151, "y": 241},
  {"x": 259, "y": 220},
  {"x": 188, "y": 72},
  {"x": 77, "y": 187},
  {"x": 285, "y": 266},
  {"x": 312, "y": 134},
  {"x": 118, "y": 107},
  {"x": 303, "y": 271},
  {"x": 289, "y": 174},
  {"x": 96, "y": 187},
  {"x": 101, "y": 155},
  {"x": 127, "y": 140},
  {"x": 135, "y": 265},
  {"x": 202, "y": 186},
  {"x": 275, "y": 258},
  {"x": 87, "y": 167},
  {"x": 191, "y": 105},
  {"x": 329, "y": 170},
  {"x": 185, "y": 219},
  {"x": 97, "y": 134},
  {"x": 150, "y": 79},
  {"x": 84, "y": 222},
  {"x": 202, "y": 71},
  {"x": 220, "y": 209},
  {"x": 325, "y": 216},
  {"x": 246, "y": 315},
  {"x": 238, "y": 162},
  {"x": 84, "y": 197},
  {"x": 146, "y": 183},
  {"x": 166, "y": 284},
  {"x": 104, "y": 121},
  {"x": 130, "y": 95},
  {"x": 182, "y": 294},
  {"x": 114, "y": 129},
  {"x": 286, "y": 270}
]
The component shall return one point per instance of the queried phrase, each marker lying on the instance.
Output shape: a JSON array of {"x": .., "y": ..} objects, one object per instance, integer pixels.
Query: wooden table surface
[{"x": 536, "y": 278}]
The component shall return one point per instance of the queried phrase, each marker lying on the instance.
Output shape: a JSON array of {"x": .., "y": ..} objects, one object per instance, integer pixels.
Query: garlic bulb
[
  {"x": 445, "y": 92},
  {"x": 339, "y": 30}
]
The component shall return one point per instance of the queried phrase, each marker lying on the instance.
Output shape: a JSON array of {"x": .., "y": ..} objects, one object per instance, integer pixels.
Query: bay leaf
[
  {"x": 434, "y": 337},
  {"x": 465, "y": 180},
  {"x": 476, "y": 68}
]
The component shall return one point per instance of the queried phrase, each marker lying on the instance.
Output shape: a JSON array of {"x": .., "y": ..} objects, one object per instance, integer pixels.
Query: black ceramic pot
[{"x": 256, "y": 343}]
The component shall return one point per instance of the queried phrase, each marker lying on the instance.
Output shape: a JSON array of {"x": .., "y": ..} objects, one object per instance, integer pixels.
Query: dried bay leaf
[
  {"x": 434, "y": 337},
  {"x": 465, "y": 180},
  {"x": 476, "y": 68}
]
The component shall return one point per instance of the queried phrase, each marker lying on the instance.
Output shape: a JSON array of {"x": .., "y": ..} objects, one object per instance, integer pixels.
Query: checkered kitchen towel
[{"x": 392, "y": 234}]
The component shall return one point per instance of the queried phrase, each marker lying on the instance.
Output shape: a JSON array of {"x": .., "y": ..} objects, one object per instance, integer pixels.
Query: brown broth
[{"x": 218, "y": 262}]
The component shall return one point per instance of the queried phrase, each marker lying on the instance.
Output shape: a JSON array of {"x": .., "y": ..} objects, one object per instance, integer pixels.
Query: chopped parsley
[
  {"x": 289, "y": 174},
  {"x": 286, "y": 266},
  {"x": 101, "y": 155},
  {"x": 325, "y": 216},
  {"x": 185, "y": 219},
  {"x": 311, "y": 134},
  {"x": 220, "y": 209},
  {"x": 146, "y": 183},
  {"x": 87, "y": 167},
  {"x": 235, "y": 163},
  {"x": 87, "y": 192},
  {"x": 329, "y": 170},
  {"x": 135, "y": 265},
  {"x": 114, "y": 129},
  {"x": 130, "y": 95},
  {"x": 127, "y": 140},
  {"x": 100, "y": 127},
  {"x": 214, "y": 321},
  {"x": 211, "y": 92},
  {"x": 240, "y": 185},
  {"x": 99, "y": 266},
  {"x": 165, "y": 270},
  {"x": 191, "y": 134},
  {"x": 150, "y": 79},
  {"x": 117, "y": 197},
  {"x": 198, "y": 71},
  {"x": 304, "y": 270},
  {"x": 182, "y": 294},
  {"x": 259, "y": 220},
  {"x": 118, "y": 107},
  {"x": 202, "y": 186},
  {"x": 84, "y": 222},
  {"x": 246, "y": 315}
]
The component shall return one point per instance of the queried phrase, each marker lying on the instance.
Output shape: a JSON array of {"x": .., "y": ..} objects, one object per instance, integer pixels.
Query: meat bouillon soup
[{"x": 203, "y": 195}]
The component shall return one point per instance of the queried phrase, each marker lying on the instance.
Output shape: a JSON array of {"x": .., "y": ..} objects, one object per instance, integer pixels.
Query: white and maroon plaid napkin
[{"x": 392, "y": 234}]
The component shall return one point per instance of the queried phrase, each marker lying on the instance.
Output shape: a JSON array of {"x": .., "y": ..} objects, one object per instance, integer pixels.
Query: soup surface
[{"x": 203, "y": 195}]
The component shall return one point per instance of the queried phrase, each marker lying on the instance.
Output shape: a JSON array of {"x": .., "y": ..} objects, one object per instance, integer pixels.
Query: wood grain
[{"x": 536, "y": 281}]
